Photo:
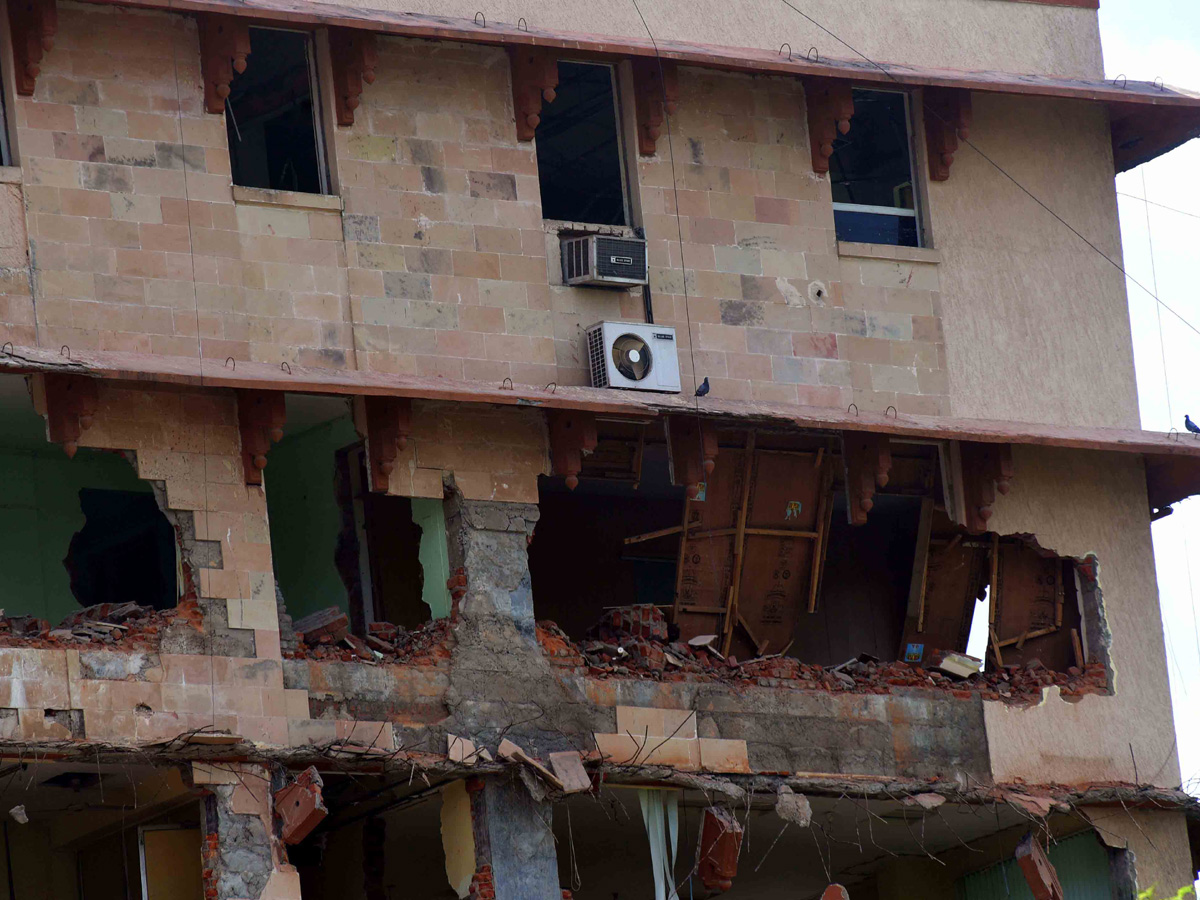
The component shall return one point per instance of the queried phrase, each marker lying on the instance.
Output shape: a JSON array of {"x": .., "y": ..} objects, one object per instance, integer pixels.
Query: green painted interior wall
[
  {"x": 1083, "y": 871},
  {"x": 305, "y": 517},
  {"x": 40, "y": 511},
  {"x": 306, "y": 520}
]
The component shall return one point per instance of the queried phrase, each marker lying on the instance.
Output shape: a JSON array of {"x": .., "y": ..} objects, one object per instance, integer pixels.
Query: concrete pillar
[{"x": 515, "y": 857}]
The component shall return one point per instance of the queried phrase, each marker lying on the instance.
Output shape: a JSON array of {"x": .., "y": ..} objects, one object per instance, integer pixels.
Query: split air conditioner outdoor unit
[
  {"x": 637, "y": 357},
  {"x": 598, "y": 259}
]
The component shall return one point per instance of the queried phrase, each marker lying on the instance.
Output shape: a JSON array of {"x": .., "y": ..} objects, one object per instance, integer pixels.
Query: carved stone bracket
[
  {"x": 868, "y": 459},
  {"x": 987, "y": 469},
  {"x": 947, "y": 120},
  {"x": 693, "y": 451},
  {"x": 224, "y": 46},
  {"x": 656, "y": 92},
  {"x": 830, "y": 109},
  {"x": 261, "y": 416},
  {"x": 534, "y": 79},
  {"x": 572, "y": 433},
  {"x": 71, "y": 402},
  {"x": 33, "y": 24},
  {"x": 389, "y": 424},
  {"x": 355, "y": 59}
]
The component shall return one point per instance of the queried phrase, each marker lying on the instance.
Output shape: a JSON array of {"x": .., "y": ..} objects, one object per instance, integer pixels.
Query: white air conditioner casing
[
  {"x": 602, "y": 260},
  {"x": 634, "y": 356}
]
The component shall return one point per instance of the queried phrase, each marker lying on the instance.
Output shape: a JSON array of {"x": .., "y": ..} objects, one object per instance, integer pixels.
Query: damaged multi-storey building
[{"x": 578, "y": 450}]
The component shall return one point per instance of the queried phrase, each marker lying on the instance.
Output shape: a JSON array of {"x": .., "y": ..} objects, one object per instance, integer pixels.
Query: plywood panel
[{"x": 171, "y": 864}]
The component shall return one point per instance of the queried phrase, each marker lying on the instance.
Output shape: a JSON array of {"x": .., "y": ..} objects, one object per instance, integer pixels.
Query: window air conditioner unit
[
  {"x": 598, "y": 259},
  {"x": 637, "y": 357}
]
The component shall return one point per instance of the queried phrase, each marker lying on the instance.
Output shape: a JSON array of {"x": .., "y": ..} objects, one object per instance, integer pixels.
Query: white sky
[{"x": 1145, "y": 39}]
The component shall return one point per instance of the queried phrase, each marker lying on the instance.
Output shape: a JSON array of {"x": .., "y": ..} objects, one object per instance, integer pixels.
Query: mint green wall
[
  {"x": 305, "y": 517},
  {"x": 306, "y": 520},
  {"x": 1083, "y": 871},
  {"x": 40, "y": 512}
]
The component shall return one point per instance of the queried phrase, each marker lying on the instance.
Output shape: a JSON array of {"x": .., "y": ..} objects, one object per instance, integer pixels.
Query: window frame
[
  {"x": 917, "y": 212},
  {"x": 8, "y": 128},
  {"x": 311, "y": 59},
  {"x": 621, "y": 151}
]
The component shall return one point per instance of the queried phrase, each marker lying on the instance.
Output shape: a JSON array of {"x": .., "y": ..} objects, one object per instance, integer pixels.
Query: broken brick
[
  {"x": 1038, "y": 870},
  {"x": 331, "y": 623},
  {"x": 300, "y": 806}
]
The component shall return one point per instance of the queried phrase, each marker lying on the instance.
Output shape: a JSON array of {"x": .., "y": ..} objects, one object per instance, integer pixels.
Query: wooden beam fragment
[
  {"x": 1038, "y": 870},
  {"x": 739, "y": 540},
  {"x": 354, "y": 57},
  {"x": 534, "y": 80},
  {"x": 987, "y": 469},
  {"x": 572, "y": 434},
  {"x": 224, "y": 47},
  {"x": 868, "y": 460},
  {"x": 389, "y": 425},
  {"x": 33, "y": 25},
  {"x": 830, "y": 108},
  {"x": 71, "y": 402},
  {"x": 947, "y": 116},
  {"x": 656, "y": 95}
]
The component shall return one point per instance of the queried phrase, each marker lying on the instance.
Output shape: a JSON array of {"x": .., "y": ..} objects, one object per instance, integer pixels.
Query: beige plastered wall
[
  {"x": 1036, "y": 322},
  {"x": 1078, "y": 503},
  {"x": 1158, "y": 840},
  {"x": 1008, "y": 36}
]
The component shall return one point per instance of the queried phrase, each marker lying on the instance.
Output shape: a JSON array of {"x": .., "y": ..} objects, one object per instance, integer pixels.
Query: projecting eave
[
  {"x": 1172, "y": 460},
  {"x": 1148, "y": 118}
]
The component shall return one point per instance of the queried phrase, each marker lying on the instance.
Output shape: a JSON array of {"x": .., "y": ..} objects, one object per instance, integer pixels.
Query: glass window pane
[
  {"x": 578, "y": 149},
  {"x": 875, "y": 228},
  {"x": 871, "y": 164},
  {"x": 269, "y": 115}
]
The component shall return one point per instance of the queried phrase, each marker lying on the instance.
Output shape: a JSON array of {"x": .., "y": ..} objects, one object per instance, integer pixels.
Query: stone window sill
[
  {"x": 10, "y": 174},
  {"x": 289, "y": 199},
  {"x": 889, "y": 251}
]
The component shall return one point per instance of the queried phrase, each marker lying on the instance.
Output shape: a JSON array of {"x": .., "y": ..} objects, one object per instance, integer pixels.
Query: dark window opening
[
  {"x": 125, "y": 553},
  {"x": 274, "y": 132},
  {"x": 5, "y": 153},
  {"x": 349, "y": 560},
  {"x": 871, "y": 173},
  {"x": 764, "y": 563},
  {"x": 580, "y": 167}
]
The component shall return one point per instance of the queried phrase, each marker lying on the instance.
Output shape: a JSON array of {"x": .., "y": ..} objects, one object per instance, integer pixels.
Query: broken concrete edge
[{"x": 329, "y": 760}]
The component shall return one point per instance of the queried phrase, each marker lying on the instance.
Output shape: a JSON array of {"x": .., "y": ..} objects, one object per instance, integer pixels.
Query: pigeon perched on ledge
[
  {"x": 1190, "y": 425},
  {"x": 703, "y": 389}
]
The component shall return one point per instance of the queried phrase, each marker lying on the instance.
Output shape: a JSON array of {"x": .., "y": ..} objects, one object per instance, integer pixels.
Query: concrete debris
[
  {"x": 510, "y": 751},
  {"x": 385, "y": 643},
  {"x": 925, "y": 801},
  {"x": 720, "y": 845},
  {"x": 1038, "y": 870},
  {"x": 537, "y": 788},
  {"x": 793, "y": 807},
  {"x": 610, "y": 652},
  {"x": 128, "y": 624},
  {"x": 960, "y": 665},
  {"x": 568, "y": 766},
  {"x": 329, "y": 623},
  {"x": 300, "y": 806},
  {"x": 1035, "y": 806},
  {"x": 463, "y": 750},
  {"x": 19, "y": 814}
]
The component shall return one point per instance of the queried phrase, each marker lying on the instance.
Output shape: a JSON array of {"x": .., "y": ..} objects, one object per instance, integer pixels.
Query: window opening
[
  {"x": 871, "y": 172},
  {"x": 5, "y": 153},
  {"x": 274, "y": 130},
  {"x": 580, "y": 162}
]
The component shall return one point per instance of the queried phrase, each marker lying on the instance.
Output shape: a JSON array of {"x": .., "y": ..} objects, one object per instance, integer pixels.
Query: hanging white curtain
[{"x": 660, "y": 813}]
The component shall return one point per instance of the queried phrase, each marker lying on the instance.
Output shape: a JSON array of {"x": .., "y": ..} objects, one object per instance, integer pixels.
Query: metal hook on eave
[
  {"x": 552, "y": 387},
  {"x": 852, "y": 406},
  {"x": 1121, "y": 78},
  {"x": 479, "y": 15},
  {"x": 521, "y": 21},
  {"x": 789, "y": 46},
  {"x": 1160, "y": 84},
  {"x": 285, "y": 367},
  {"x": 65, "y": 351},
  {"x": 507, "y": 381},
  {"x": 813, "y": 54},
  {"x": 895, "y": 413},
  {"x": 11, "y": 351},
  {"x": 230, "y": 359}
]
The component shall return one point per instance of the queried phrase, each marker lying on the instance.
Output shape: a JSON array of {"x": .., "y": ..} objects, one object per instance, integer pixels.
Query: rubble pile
[
  {"x": 104, "y": 623},
  {"x": 636, "y": 641},
  {"x": 325, "y": 635}
]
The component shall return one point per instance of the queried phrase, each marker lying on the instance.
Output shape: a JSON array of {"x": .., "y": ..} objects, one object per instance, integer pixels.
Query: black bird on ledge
[
  {"x": 1187, "y": 423},
  {"x": 703, "y": 389}
]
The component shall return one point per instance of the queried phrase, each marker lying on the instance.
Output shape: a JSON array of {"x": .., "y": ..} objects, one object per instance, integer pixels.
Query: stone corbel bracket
[
  {"x": 71, "y": 402},
  {"x": 389, "y": 425},
  {"x": 534, "y": 80},
  {"x": 830, "y": 108},
  {"x": 33, "y": 25},
  {"x": 947, "y": 120},
  {"x": 868, "y": 460},
  {"x": 572, "y": 434},
  {"x": 355, "y": 58},
  {"x": 693, "y": 452},
  {"x": 224, "y": 47},
  {"x": 987, "y": 469},
  {"x": 261, "y": 417},
  {"x": 656, "y": 92}
]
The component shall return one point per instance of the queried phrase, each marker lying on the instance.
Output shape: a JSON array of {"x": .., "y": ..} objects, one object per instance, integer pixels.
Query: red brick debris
[
  {"x": 326, "y": 635},
  {"x": 633, "y": 642},
  {"x": 107, "y": 625}
]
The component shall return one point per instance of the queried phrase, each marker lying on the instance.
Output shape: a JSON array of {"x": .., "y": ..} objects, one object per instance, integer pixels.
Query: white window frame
[{"x": 915, "y": 212}]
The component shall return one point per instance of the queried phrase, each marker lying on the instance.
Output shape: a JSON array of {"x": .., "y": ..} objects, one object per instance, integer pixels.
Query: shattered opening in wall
[
  {"x": 631, "y": 841},
  {"x": 360, "y": 570},
  {"x": 732, "y": 553},
  {"x": 80, "y": 531}
]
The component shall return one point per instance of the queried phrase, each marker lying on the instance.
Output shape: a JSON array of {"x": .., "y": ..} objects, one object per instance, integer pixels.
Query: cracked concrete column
[{"x": 514, "y": 845}]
